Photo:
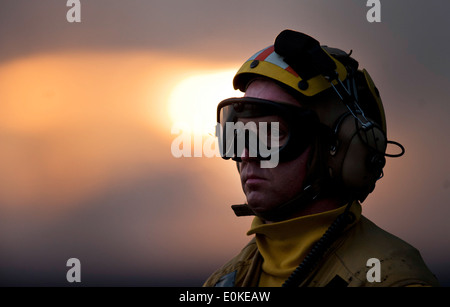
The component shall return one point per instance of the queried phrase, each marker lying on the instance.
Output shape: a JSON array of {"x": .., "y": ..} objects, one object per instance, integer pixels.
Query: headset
[{"x": 358, "y": 142}]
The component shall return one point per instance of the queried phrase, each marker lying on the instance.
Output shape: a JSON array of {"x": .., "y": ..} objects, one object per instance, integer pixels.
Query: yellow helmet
[
  {"x": 309, "y": 71},
  {"x": 270, "y": 64},
  {"x": 303, "y": 78}
]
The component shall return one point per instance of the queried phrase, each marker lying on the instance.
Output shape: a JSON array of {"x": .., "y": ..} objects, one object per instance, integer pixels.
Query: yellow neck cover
[{"x": 283, "y": 245}]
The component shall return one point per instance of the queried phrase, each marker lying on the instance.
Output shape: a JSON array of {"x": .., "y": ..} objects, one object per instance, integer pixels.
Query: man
[{"x": 309, "y": 148}]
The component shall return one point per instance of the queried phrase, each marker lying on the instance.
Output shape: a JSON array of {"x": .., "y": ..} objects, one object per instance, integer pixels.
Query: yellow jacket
[{"x": 344, "y": 264}]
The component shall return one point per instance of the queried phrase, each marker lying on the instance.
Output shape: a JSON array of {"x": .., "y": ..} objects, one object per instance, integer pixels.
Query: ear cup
[
  {"x": 357, "y": 155},
  {"x": 355, "y": 173}
]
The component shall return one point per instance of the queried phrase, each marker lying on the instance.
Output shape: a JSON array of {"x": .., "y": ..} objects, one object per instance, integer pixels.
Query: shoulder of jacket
[
  {"x": 400, "y": 263},
  {"x": 240, "y": 262}
]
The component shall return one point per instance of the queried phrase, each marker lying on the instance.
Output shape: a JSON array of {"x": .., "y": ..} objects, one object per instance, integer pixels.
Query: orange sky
[
  {"x": 74, "y": 119},
  {"x": 89, "y": 126},
  {"x": 85, "y": 164}
]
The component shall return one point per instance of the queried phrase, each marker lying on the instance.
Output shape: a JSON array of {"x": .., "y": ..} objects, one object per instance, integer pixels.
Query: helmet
[{"x": 353, "y": 133}]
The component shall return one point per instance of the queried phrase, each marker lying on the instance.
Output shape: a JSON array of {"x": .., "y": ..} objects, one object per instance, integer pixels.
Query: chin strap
[{"x": 281, "y": 212}]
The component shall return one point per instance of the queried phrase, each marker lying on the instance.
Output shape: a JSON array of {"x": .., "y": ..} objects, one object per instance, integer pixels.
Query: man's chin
[{"x": 259, "y": 203}]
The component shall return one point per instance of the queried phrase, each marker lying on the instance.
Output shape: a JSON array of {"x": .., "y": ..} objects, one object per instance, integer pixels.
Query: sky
[{"x": 87, "y": 117}]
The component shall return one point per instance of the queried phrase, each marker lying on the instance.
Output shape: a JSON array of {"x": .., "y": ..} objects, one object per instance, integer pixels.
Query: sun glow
[{"x": 193, "y": 101}]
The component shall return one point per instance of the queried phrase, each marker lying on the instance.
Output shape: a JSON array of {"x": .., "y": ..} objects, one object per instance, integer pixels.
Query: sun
[{"x": 193, "y": 101}]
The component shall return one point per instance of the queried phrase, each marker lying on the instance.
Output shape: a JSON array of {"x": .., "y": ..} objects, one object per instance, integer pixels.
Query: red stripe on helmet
[
  {"x": 289, "y": 69},
  {"x": 263, "y": 55},
  {"x": 268, "y": 51}
]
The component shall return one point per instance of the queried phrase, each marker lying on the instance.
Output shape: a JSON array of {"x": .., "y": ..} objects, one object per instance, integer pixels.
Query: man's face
[{"x": 266, "y": 188}]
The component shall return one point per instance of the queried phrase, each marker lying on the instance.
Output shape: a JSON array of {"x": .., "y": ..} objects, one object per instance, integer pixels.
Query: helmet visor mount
[{"x": 264, "y": 128}]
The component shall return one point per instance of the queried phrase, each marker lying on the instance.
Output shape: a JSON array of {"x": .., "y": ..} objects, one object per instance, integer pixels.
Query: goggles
[{"x": 266, "y": 129}]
